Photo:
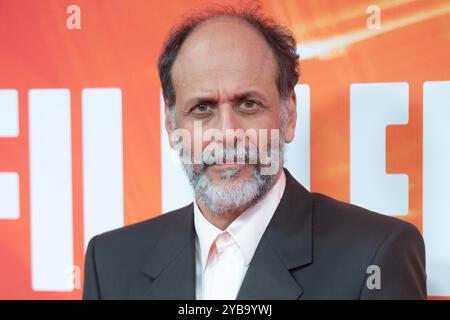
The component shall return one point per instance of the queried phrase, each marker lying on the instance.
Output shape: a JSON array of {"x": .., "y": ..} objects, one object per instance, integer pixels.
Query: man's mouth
[{"x": 228, "y": 165}]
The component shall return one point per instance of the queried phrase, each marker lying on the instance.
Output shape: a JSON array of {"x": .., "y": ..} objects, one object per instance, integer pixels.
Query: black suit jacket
[{"x": 314, "y": 247}]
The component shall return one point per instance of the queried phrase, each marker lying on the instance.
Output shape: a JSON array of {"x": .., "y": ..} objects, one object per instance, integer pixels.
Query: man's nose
[{"x": 228, "y": 121}]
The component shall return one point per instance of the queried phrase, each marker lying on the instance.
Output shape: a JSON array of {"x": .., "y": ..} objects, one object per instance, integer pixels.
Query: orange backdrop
[{"x": 118, "y": 45}]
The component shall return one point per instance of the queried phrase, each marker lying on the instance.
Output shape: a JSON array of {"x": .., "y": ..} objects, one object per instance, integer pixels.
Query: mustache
[
  {"x": 265, "y": 158},
  {"x": 247, "y": 156},
  {"x": 230, "y": 156},
  {"x": 219, "y": 155}
]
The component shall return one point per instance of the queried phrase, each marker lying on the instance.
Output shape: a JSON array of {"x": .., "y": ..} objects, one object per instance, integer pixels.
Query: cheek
[
  {"x": 266, "y": 124},
  {"x": 267, "y": 119},
  {"x": 194, "y": 142}
]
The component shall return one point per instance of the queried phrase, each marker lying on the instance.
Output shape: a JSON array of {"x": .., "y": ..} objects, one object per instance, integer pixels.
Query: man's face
[{"x": 225, "y": 78}]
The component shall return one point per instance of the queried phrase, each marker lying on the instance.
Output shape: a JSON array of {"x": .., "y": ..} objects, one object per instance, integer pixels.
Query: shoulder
[
  {"x": 135, "y": 238},
  {"x": 340, "y": 212},
  {"x": 358, "y": 227},
  {"x": 351, "y": 239}
]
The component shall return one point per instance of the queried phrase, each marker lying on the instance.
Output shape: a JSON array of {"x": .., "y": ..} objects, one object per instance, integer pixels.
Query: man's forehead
[{"x": 224, "y": 46}]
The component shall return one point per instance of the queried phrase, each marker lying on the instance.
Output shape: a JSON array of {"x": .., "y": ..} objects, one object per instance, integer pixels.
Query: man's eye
[
  {"x": 201, "y": 108},
  {"x": 250, "y": 104}
]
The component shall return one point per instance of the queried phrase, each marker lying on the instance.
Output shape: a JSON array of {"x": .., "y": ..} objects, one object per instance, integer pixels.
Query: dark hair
[{"x": 279, "y": 38}]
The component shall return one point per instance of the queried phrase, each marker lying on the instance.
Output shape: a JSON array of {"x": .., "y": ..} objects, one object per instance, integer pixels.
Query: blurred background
[{"x": 82, "y": 149}]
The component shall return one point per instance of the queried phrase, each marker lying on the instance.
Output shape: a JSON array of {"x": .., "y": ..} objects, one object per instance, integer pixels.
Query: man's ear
[
  {"x": 292, "y": 117},
  {"x": 168, "y": 123}
]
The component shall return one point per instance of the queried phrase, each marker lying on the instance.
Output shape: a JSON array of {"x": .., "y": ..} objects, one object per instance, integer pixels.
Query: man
[{"x": 253, "y": 232}]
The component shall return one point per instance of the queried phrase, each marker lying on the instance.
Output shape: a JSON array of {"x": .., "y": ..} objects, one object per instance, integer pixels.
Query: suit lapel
[
  {"x": 170, "y": 266},
  {"x": 267, "y": 278},
  {"x": 285, "y": 245}
]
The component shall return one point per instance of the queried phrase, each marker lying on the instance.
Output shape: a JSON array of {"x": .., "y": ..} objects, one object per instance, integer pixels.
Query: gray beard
[{"x": 231, "y": 195}]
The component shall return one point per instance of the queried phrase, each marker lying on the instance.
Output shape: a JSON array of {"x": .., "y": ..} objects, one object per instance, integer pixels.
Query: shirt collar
[{"x": 247, "y": 230}]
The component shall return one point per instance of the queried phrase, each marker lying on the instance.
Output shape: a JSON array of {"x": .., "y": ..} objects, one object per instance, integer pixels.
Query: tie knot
[{"x": 222, "y": 242}]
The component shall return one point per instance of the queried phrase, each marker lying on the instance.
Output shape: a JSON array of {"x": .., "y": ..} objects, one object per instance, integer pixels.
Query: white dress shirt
[{"x": 223, "y": 257}]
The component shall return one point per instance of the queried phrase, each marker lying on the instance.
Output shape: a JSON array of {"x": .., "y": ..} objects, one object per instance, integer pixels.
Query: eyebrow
[{"x": 236, "y": 98}]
